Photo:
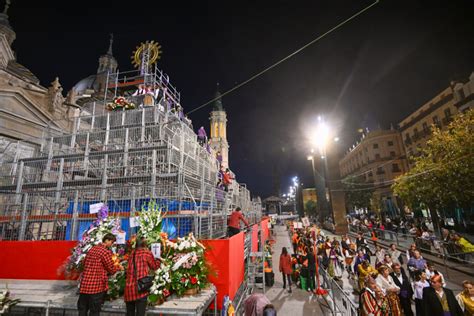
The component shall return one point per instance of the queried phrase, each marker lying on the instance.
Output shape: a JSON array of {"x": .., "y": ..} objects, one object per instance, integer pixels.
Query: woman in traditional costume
[
  {"x": 466, "y": 298},
  {"x": 365, "y": 270},
  {"x": 391, "y": 290},
  {"x": 335, "y": 258}
]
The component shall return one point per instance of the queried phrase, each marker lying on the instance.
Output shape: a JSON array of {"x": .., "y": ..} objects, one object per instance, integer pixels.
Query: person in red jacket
[
  {"x": 141, "y": 261},
  {"x": 98, "y": 264},
  {"x": 234, "y": 222},
  {"x": 285, "y": 268}
]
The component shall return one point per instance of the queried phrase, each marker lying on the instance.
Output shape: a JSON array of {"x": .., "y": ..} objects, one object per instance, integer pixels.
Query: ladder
[{"x": 256, "y": 266}]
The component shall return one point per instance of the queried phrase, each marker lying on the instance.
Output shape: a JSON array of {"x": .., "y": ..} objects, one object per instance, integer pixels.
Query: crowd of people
[
  {"x": 450, "y": 242},
  {"x": 387, "y": 281}
]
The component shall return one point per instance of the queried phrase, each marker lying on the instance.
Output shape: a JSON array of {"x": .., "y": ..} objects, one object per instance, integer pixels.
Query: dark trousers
[
  {"x": 311, "y": 279},
  {"x": 136, "y": 308},
  {"x": 233, "y": 231},
  {"x": 406, "y": 306},
  {"x": 419, "y": 307},
  {"x": 90, "y": 304},
  {"x": 287, "y": 276}
]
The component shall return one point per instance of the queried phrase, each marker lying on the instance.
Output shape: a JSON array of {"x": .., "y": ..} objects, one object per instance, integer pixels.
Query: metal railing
[
  {"x": 444, "y": 252},
  {"x": 338, "y": 300}
]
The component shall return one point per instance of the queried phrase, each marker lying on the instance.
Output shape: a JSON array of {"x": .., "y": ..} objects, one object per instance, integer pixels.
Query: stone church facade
[{"x": 27, "y": 108}]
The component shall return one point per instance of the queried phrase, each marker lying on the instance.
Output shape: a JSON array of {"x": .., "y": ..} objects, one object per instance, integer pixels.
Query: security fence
[
  {"x": 338, "y": 301},
  {"x": 447, "y": 252}
]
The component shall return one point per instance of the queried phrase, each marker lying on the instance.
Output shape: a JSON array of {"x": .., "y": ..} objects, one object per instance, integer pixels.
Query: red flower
[
  {"x": 166, "y": 293},
  {"x": 183, "y": 279},
  {"x": 193, "y": 280}
]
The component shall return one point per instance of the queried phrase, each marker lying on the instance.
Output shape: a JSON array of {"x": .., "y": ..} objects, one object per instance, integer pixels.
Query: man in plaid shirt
[{"x": 94, "y": 282}]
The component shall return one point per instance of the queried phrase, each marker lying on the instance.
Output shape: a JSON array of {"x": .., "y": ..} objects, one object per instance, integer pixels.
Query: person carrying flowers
[{"x": 139, "y": 266}]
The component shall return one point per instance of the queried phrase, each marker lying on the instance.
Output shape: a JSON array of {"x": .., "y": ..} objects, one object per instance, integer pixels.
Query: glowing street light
[{"x": 320, "y": 136}]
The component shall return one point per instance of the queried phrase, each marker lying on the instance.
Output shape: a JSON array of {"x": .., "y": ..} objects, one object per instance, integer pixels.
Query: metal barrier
[
  {"x": 444, "y": 251},
  {"x": 339, "y": 301}
]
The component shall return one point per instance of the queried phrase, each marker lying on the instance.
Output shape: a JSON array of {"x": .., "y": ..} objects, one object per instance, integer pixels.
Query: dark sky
[{"x": 373, "y": 71}]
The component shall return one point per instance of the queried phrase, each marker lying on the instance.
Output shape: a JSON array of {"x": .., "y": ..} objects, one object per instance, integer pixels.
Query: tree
[
  {"x": 358, "y": 192},
  {"x": 442, "y": 176}
]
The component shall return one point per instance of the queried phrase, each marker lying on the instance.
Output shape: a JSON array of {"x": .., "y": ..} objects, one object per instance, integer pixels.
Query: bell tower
[
  {"x": 218, "y": 120},
  {"x": 7, "y": 36},
  {"x": 108, "y": 62}
]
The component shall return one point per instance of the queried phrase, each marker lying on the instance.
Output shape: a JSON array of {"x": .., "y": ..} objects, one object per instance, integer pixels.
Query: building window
[
  {"x": 370, "y": 174},
  {"x": 377, "y": 156},
  {"x": 415, "y": 133},
  {"x": 425, "y": 127},
  {"x": 447, "y": 112},
  {"x": 380, "y": 170},
  {"x": 436, "y": 120},
  {"x": 395, "y": 167},
  {"x": 392, "y": 154},
  {"x": 390, "y": 143},
  {"x": 376, "y": 146}
]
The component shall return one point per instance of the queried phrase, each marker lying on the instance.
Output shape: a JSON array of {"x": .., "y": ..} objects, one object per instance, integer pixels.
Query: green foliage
[
  {"x": 358, "y": 192},
  {"x": 116, "y": 285},
  {"x": 443, "y": 175}
]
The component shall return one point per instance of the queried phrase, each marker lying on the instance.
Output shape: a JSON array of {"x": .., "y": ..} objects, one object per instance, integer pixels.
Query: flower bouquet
[
  {"x": 189, "y": 269},
  {"x": 160, "y": 289},
  {"x": 150, "y": 220},
  {"x": 92, "y": 237},
  {"x": 6, "y": 302},
  {"x": 120, "y": 103}
]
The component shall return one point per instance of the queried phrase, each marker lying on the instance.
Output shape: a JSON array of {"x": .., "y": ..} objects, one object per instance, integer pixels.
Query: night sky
[{"x": 371, "y": 72}]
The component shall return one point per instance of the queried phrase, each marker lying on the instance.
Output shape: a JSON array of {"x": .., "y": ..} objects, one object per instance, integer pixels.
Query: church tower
[
  {"x": 7, "y": 36},
  {"x": 108, "y": 62},
  {"x": 218, "y": 139}
]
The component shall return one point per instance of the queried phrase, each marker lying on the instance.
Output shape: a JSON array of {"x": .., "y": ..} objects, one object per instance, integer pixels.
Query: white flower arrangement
[
  {"x": 161, "y": 283},
  {"x": 150, "y": 220}
]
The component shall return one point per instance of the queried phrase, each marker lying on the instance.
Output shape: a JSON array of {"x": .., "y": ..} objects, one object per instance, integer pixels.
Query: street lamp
[{"x": 320, "y": 138}]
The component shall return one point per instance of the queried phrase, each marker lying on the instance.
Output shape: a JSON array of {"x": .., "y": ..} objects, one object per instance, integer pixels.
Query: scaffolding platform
[
  {"x": 123, "y": 158},
  {"x": 50, "y": 296}
]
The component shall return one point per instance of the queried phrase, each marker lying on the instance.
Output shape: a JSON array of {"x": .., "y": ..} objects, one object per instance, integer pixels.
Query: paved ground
[
  {"x": 297, "y": 303},
  {"x": 304, "y": 303}
]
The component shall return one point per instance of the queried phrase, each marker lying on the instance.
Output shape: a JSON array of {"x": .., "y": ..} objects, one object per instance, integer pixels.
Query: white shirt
[
  {"x": 440, "y": 293},
  {"x": 386, "y": 283},
  {"x": 399, "y": 277},
  {"x": 419, "y": 286}
]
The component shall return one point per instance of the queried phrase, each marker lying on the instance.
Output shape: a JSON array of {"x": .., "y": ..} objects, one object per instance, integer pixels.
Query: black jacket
[
  {"x": 311, "y": 262},
  {"x": 406, "y": 290},
  {"x": 432, "y": 305}
]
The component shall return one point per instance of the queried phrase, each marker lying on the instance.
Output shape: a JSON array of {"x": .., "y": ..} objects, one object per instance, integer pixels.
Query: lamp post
[
  {"x": 296, "y": 186},
  {"x": 320, "y": 138}
]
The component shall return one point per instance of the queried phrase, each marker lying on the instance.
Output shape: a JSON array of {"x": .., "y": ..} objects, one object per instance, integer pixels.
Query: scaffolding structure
[{"x": 122, "y": 158}]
